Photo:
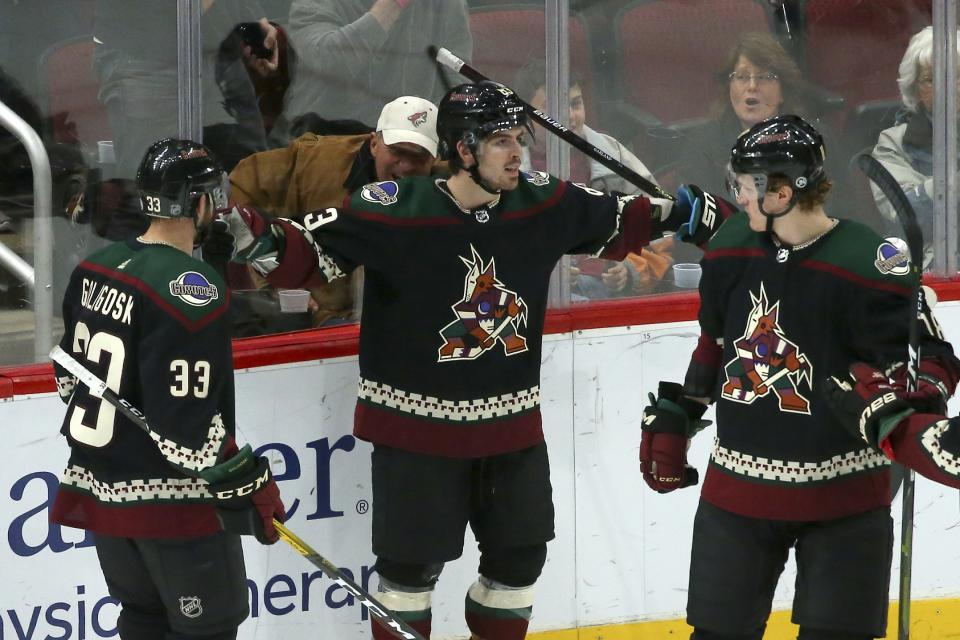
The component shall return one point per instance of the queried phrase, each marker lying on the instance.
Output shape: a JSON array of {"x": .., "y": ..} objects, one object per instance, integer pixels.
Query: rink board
[{"x": 617, "y": 570}]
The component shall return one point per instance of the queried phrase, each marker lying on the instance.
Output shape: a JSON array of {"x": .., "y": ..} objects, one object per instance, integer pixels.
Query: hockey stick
[
  {"x": 879, "y": 175},
  {"x": 99, "y": 389},
  {"x": 448, "y": 59}
]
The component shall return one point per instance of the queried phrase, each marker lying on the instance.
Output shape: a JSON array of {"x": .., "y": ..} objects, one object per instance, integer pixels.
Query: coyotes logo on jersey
[
  {"x": 487, "y": 314},
  {"x": 767, "y": 361}
]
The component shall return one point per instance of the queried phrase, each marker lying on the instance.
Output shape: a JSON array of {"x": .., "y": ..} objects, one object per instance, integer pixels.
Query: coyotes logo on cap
[{"x": 418, "y": 118}]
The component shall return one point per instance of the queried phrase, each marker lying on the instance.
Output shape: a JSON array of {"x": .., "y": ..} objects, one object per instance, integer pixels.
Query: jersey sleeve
[
  {"x": 605, "y": 226},
  {"x": 706, "y": 360},
  {"x": 881, "y": 333},
  {"x": 327, "y": 244},
  {"x": 185, "y": 371},
  {"x": 65, "y": 381},
  {"x": 928, "y": 444}
]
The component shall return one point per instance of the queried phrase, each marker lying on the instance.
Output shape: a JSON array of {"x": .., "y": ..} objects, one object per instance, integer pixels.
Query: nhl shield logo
[
  {"x": 418, "y": 118},
  {"x": 190, "y": 606},
  {"x": 384, "y": 193}
]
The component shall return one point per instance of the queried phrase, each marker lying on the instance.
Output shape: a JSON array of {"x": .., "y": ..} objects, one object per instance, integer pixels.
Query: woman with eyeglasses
[
  {"x": 906, "y": 149},
  {"x": 759, "y": 80}
]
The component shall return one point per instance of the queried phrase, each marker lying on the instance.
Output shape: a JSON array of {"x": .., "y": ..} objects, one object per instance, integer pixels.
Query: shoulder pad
[{"x": 735, "y": 232}]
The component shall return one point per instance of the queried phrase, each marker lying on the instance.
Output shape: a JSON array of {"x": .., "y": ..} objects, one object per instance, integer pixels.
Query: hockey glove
[
  {"x": 867, "y": 404},
  {"x": 218, "y": 241},
  {"x": 253, "y": 235},
  {"x": 698, "y": 214},
  {"x": 668, "y": 423},
  {"x": 246, "y": 495},
  {"x": 935, "y": 386}
]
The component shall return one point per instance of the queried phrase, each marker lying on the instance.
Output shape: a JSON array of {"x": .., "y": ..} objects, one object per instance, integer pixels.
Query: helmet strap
[
  {"x": 202, "y": 233},
  {"x": 474, "y": 169}
]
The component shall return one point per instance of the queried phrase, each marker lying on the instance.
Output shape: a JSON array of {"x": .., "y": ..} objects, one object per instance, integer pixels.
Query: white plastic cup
[
  {"x": 686, "y": 275},
  {"x": 294, "y": 300},
  {"x": 105, "y": 152}
]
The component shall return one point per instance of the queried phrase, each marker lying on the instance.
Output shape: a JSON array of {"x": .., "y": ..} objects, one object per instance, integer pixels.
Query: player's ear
[{"x": 466, "y": 156}]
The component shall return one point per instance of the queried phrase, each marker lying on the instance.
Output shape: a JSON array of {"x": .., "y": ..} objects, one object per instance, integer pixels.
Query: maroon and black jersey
[
  {"x": 777, "y": 321},
  {"x": 151, "y": 322},
  {"x": 930, "y": 445},
  {"x": 454, "y": 301}
]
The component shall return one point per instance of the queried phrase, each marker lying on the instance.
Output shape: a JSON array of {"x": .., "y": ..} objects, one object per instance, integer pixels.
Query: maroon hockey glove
[
  {"x": 668, "y": 423},
  {"x": 867, "y": 404},
  {"x": 246, "y": 495},
  {"x": 697, "y": 214},
  {"x": 252, "y": 233}
]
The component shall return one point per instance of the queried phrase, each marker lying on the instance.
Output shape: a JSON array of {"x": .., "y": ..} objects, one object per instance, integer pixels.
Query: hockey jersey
[
  {"x": 775, "y": 322},
  {"x": 930, "y": 445},
  {"x": 454, "y": 301},
  {"x": 152, "y": 322}
]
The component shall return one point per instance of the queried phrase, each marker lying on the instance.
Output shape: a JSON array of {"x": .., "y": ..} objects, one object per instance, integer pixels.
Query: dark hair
[
  {"x": 763, "y": 50},
  {"x": 533, "y": 76}
]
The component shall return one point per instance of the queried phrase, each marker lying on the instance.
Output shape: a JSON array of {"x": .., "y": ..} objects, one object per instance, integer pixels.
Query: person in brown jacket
[{"x": 314, "y": 172}]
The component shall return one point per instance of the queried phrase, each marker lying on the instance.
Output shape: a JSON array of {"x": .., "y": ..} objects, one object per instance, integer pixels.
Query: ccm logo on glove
[{"x": 245, "y": 490}]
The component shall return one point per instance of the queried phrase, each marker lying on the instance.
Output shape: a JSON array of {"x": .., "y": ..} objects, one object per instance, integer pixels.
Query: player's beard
[{"x": 203, "y": 232}]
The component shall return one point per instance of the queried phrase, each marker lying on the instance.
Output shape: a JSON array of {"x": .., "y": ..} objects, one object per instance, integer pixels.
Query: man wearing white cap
[{"x": 314, "y": 172}]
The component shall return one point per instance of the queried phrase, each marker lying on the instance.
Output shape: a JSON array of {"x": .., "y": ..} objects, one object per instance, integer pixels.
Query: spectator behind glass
[
  {"x": 906, "y": 149},
  {"x": 136, "y": 62},
  {"x": 591, "y": 277},
  {"x": 354, "y": 55},
  {"x": 759, "y": 80},
  {"x": 315, "y": 172}
]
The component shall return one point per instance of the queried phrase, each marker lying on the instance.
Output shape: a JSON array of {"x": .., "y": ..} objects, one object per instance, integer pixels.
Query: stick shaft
[
  {"x": 98, "y": 388},
  {"x": 448, "y": 59},
  {"x": 881, "y": 177}
]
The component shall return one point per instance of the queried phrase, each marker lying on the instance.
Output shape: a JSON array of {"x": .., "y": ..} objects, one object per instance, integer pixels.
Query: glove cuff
[
  {"x": 239, "y": 464},
  {"x": 886, "y": 425}
]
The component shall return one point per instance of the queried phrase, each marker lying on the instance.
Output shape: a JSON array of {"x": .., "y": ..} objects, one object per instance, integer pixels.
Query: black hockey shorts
[
  {"x": 423, "y": 503},
  {"x": 843, "y": 571},
  {"x": 190, "y": 586}
]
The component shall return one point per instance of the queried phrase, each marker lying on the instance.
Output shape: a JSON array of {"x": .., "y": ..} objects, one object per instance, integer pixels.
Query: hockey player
[
  {"x": 788, "y": 291},
  {"x": 907, "y": 429},
  {"x": 457, "y": 273},
  {"x": 151, "y": 321}
]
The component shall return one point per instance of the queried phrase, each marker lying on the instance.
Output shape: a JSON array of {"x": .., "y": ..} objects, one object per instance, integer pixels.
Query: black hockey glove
[
  {"x": 218, "y": 243},
  {"x": 867, "y": 403},
  {"x": 246, "y": 495},
  {"x": 698, "y": 214},
  {"x": 668, "y": 423}
]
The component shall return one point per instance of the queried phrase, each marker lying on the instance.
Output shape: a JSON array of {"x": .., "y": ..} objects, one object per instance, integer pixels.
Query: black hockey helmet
[
  {"x": 473, "y": 111},
  {"x": 782, "y": 145},
  {"x": 175, "y": 174}
]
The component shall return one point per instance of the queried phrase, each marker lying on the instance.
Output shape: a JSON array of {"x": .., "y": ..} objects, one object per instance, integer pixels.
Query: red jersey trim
[
  {"x": 381, "y": 426},
  {"x": 827, "y": 500},
  {"x": 861, "y": 281},
  {"x": 79, "y": 510},
  {"x": 537, "y": 208},
  {"x": 191, "y": 325}
]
